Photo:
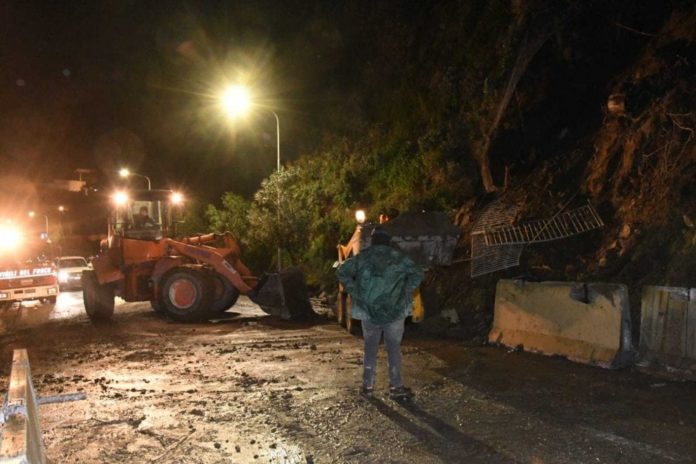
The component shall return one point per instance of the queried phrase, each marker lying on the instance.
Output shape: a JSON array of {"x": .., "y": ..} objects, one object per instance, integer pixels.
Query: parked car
[{"x": 70, "y": 271}]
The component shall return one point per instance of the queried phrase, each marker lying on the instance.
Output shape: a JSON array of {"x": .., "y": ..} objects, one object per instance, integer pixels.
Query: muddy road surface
[{"x": 252, "y": 388}]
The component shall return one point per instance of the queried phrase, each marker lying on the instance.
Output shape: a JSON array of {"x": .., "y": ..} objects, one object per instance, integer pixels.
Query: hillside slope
[{"x": 638, "y": 170}]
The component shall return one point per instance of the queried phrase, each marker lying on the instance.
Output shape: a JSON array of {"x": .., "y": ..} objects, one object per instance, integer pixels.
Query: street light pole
[
  {"x": 277, "y": 136},
  {"x": 149, "y": 185},
  {"x": 235, "y": 100},
  {"x": 278, "y": 185},
  {"x": 61, "y": 210}
]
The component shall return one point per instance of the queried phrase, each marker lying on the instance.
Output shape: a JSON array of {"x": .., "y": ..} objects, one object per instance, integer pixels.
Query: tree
[
  {"x": 536, "y": 32},
  {"x": 282, "y": 213},
  {"x": 233, "y": 217}
]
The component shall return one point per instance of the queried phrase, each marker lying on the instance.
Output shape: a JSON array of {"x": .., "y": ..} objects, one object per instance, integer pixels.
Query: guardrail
[
  {"x": 21, "y": 432},
  {"x": 20, "y": 436}
]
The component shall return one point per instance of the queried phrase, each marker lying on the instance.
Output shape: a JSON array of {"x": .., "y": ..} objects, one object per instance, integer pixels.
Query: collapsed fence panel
[
  {"x": 587, "y": 323},
  {"x": 21, "y": 433},
  {"x": 498, "y": 238},
  {"x": 668, "y": 327},
  {"x": 563, "y": 225}
]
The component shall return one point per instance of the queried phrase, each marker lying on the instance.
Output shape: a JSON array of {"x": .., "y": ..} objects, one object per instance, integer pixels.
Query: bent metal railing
[
  {"x": 497, "y": 241},
  {"x": 563, "y": 225}
]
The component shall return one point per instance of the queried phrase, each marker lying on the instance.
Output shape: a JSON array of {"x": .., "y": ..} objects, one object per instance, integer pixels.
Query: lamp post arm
[
  {"x": 278, "y": 167},
  {"x": 149, "y": 185}
]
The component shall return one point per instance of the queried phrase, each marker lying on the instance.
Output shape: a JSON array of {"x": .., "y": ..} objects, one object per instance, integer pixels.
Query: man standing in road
[{"x": 381, "y": 281}]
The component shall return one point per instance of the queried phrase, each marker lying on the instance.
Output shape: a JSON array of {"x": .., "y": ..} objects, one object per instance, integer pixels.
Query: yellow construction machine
[{"x": 428, "y": 238}]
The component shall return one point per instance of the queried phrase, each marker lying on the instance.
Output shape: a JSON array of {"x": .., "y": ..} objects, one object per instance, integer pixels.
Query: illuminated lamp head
[{"x": 235, "y": 101}]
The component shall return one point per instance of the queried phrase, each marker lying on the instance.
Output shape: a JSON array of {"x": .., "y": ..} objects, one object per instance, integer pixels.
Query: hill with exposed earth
[{"x": 638, "y": 170}]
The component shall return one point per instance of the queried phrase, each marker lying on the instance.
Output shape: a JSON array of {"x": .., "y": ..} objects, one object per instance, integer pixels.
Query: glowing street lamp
[
  {"x": 61, "y": 210},
  {"x": 236, "y": 101},
  {"x": 125, "y": 173}
]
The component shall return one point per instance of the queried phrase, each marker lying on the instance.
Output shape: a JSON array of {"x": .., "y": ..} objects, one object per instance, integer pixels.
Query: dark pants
[{"x": 393, "y": 333}]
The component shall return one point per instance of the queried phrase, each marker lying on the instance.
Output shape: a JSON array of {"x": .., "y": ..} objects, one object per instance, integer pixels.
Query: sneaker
[
  {"x": 367, "y": 392},
  {"x": 401, "y": 393}
]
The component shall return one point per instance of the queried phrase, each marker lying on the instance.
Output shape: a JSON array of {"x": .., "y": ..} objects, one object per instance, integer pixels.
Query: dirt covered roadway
[{"x": 256, "y": 389}]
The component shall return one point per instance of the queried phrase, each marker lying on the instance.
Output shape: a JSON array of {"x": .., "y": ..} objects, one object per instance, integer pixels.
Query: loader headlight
[
  {"x": 176, "y": 198},
  {"x": 120, "y": 198},
  {"x": 360, "y": 216}
]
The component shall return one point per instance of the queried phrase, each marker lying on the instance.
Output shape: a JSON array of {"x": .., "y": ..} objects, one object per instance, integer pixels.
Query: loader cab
[{"x": 145, "y": 214}]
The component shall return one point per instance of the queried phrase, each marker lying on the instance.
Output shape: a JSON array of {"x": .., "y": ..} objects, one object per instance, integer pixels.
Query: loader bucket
[{"x": 283, "y": 294}]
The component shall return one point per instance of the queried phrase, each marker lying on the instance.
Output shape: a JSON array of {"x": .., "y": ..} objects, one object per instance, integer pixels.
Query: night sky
[{"x": 109, "y": 83}]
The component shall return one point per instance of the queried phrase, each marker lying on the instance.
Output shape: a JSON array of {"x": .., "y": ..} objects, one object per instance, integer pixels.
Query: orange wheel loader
[{"x": 190, "y": 279}]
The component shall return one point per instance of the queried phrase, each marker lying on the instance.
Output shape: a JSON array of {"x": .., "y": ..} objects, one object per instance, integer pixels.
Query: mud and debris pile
[{"x": 637, "y": 169}]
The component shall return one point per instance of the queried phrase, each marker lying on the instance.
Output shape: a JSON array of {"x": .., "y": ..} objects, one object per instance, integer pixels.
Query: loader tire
[
  {"x": 98, "y": 299},
  {"x": 226, "y": 294},
  {"x": 187, "y": 294}
]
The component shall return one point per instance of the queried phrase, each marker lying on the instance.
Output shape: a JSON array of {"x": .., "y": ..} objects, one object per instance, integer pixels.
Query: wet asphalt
[{"x": 252, "y": 388}]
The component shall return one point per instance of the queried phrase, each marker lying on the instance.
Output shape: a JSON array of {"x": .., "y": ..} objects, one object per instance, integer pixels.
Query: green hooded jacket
[{"x": 381, "y": 281}]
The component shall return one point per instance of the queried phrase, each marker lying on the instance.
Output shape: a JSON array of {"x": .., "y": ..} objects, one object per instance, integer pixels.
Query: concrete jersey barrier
[
  {"x": 585, "y": 322},
  {"x": 668, "y": 327},
  {"x": 21, "y": 432}
]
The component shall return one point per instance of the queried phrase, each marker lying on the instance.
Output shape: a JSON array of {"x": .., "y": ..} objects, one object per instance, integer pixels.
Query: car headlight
[{"x": 62, "y": 276}]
